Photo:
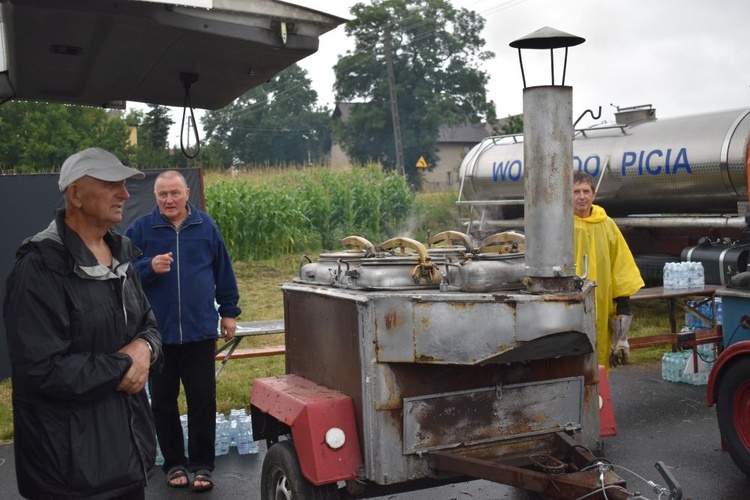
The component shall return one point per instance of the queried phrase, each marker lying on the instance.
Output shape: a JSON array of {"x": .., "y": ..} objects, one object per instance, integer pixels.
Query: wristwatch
[{"x": 150, "y": 349}]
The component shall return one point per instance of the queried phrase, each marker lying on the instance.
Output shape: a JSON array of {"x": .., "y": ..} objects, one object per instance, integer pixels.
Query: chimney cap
[{"x": 547, "y": 38}]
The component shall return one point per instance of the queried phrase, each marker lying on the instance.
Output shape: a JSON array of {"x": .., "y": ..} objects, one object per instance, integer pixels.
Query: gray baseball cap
[{"x": 96, "y": 163}]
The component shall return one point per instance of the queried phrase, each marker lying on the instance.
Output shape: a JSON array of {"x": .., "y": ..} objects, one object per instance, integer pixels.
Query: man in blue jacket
[
  {"x": 185, "y": 269},
  {"x": 82, "y": 339}
]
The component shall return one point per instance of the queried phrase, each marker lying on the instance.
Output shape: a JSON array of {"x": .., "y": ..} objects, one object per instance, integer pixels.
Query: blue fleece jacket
[{"x": 183, "y": 298}]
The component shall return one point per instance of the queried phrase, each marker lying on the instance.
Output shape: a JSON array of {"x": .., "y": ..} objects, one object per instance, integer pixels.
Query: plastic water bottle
[
  {"x": 667, "y": 367},
  {"x": 184, "y": 424},
  {"x": 245, "y": 443},
  {"x": 691, "y": 320},
  {"x": 717, "y": 302},
  {"x": 697, "y": 277},
  {"x": 221, "y": 444},
  {"x": 672, "y": 366},
  {"x": 233, "y": 421},
  {"x": 243, "y": 438},
  {"x": 708, "y": 311},
  {"x": 159, "y": 456},
  {"x": 253, "y": 446},
  {"x": 668, "y": 276},
  {"x": 681, "y": 281},
  {"x": 675, "y": 275}
]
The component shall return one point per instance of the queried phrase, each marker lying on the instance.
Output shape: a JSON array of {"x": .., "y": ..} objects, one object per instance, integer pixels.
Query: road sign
[{"x": 421, "y": 163}]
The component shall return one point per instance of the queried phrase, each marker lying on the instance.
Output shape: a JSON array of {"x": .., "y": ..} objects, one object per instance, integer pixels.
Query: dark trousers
[
  {"x": 194, "y": 365},
  {"x": 135, "y": 494}
]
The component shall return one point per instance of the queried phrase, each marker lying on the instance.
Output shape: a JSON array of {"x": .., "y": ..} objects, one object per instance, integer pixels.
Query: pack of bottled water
[
  {"x": 704, "y": 307},
  {"x": 235, "y": 432},
  {"x": 223, "y": 435},
  {"x": 678, "y": 366},
  {"x": 246, "y": 445},
  {"x": 683, "y": 275}
]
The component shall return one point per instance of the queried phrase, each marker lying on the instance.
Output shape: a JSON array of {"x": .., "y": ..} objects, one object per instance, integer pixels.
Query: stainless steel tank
[{"x": 688, "y": 165}]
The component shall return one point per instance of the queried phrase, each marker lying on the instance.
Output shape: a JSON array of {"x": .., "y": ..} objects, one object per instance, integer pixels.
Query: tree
[
  {"x": 38, "y": 137},
  {"x": 155, "y": 126},
  {"x": 275, "y": 123},
  {"x": 152, "y": 150},
  {"x": 436, "y": 51},
  {"x": 512, "y": 125}
]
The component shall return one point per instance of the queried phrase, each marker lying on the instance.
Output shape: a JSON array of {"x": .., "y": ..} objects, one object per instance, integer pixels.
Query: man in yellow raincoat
[{"x": 610, "y": 265}]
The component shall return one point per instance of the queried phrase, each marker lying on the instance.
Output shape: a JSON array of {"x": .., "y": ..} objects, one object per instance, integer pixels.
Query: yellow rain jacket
[{"x": 610, "y": 265}]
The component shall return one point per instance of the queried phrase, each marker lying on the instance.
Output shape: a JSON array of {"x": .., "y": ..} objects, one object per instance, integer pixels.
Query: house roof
[
  {"x": 465, "y": 133},
  {"x": 469, "y": 132}
]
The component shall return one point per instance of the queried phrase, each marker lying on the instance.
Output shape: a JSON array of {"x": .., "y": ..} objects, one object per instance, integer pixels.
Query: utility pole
[{"x": 394, "y": 103}]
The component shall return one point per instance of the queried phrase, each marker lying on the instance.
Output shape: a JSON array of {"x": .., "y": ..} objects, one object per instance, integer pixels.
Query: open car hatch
[{"x": 106, "y": 52}]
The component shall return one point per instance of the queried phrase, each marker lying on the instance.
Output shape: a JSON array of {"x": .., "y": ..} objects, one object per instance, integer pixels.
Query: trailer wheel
[
  {"x": 733, "y": 412},
  {"x": 282, "y": 479}
]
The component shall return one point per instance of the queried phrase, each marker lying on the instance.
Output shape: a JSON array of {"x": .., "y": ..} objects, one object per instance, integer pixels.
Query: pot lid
[{"x": 507, "y": 242}]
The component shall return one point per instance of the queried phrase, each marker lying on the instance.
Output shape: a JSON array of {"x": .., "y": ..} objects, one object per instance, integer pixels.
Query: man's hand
[
  {"x": 227, "y": 328},
  {"x": 162, "y": 263},
  {"x": 137, "y": 375}
]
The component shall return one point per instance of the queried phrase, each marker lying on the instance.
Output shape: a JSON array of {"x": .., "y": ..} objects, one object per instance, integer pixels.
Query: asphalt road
[{"x": 656, "y": 421}]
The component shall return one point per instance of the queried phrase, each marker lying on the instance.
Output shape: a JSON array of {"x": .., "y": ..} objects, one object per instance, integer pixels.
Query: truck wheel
[
  {"x": 652, "y": 267},
  {"x": 733, "y": 412},
  {"x": 282, "y": 479}
]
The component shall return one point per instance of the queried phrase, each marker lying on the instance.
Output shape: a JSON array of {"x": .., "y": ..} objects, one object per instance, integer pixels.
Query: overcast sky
[{"x": 681, "y": 56}]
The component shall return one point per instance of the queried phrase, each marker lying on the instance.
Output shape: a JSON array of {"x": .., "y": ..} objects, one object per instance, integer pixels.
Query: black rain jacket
[{"x": 66, "y": 317}]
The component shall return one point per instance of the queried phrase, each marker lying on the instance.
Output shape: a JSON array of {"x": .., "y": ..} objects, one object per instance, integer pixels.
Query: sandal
[
  {"x": 176, "y": 473},
  {"x": 202, "y": 476}
]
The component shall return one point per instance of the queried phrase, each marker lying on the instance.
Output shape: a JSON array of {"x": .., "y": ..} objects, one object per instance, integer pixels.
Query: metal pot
[
  {"x": 331, "y": 266},
  {"x": 498, "y": 264},
  {"x": 487, "y": 273},
  {"x": 402, "y": 271}
]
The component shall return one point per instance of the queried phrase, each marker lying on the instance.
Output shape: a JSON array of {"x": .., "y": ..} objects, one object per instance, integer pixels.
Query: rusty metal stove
[
  {"x": 432, "y": 370},
  {"x": 492, "y": 377}
]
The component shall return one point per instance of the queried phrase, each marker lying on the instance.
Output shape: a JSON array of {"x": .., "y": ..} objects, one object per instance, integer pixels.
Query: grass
[
  {"x": 650, "y": 317},
  {"x": 262, "y": 300}
]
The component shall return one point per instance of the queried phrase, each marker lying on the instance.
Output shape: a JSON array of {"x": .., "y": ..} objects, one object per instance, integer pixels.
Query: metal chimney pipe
[
  {"x": 548, "y": 184},
  {"x": 548, "y": 171}
]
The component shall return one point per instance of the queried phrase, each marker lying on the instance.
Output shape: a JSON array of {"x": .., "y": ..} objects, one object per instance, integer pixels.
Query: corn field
[{"x": 300, "y": 210}]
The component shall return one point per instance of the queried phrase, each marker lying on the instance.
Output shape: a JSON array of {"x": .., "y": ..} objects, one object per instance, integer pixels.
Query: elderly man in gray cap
[{"x": 82, "y": 339}]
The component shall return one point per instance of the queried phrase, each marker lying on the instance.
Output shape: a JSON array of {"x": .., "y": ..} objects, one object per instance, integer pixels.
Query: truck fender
[
  {"x": 734, "y": 351},
  {"x": 322, "y": 423}
]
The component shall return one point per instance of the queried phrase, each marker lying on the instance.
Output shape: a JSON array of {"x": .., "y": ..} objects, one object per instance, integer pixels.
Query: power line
[{"x": 281, "y": 92}]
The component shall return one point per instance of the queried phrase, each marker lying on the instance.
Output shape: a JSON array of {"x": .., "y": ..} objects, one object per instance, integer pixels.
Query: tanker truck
[
  {"x": 678, "y": 190},
  {"x": 676, "y": 187}
]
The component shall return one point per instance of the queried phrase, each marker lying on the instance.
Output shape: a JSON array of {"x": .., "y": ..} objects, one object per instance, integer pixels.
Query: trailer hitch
[{"x": 673, "y": 488}]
